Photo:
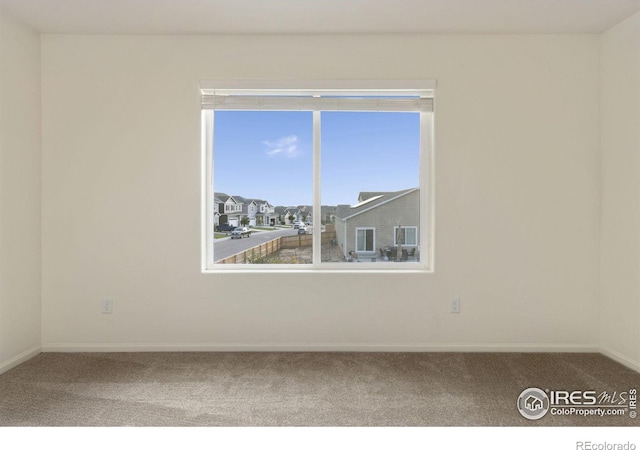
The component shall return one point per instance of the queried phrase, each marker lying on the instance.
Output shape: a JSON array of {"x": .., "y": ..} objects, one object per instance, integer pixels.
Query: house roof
[
  {"x": 343, "y": 211},
  {"x": 327, "y": 211},
  {"x": 221, "y": 196},
  {"x": 224, "y": 198},
  {"x": 364, "y": 196},
  {"x": 371, "y": 200},
  {"x": 247, "y": 200},
  {"x": 241, "y": 199}
]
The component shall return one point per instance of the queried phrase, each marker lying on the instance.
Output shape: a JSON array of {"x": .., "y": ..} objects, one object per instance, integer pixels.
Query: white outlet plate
[
  {"x": 107, "y": 306},
  {"x": 455, "y": 305}
]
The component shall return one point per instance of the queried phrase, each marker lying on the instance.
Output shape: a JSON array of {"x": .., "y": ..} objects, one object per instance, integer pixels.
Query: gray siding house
[
  {"x": 380, "y": 220},
  {"x": 228, "y": 209}
]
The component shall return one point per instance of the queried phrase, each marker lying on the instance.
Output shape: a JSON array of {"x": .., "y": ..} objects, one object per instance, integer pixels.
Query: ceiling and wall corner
[
  {"x": 20, "y": 196},
  {"x": 620, "y": 216},
  {"x": 187, "y": 17}
]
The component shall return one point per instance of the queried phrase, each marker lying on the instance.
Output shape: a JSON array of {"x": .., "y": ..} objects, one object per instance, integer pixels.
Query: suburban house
[
  {"x": 305, "y": 214},
  {"x": 281, "y": 215},
  {"x": 296, "y": 212},
  {"x": 231, "y": 209},
  {"x": 379, "y": 221},
  {"x": 249, "y": 209},
  {"x": 266, "y": 214},
  {"x": 259, "y": 212},
  {"x": 227, "y": 209},
  {"x": 327, "y": 214}
]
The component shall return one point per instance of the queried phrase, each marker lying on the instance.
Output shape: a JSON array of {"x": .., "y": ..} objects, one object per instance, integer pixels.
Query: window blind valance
[{"x": 308, "y": 103}]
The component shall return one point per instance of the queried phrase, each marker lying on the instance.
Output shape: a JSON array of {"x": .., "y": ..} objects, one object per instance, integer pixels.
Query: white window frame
[
  {"x": 365, "y": 252},
  {"x": 395, "y": 236},
  {"x": 424, "y": 89}
]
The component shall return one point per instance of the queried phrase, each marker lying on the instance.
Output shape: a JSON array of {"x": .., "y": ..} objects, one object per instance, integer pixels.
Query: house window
[
  {"x": 365, "y": 240},
  {"x": 407, "y": 236},
  {"x": 335, "y": 168}
]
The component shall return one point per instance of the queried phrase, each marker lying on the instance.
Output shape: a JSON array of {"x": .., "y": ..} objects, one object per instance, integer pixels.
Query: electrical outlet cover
[{"x": 107, "y": 305}]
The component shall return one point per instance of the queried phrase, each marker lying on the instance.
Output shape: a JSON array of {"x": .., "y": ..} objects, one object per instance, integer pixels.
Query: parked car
[
  {"x": 297, "y": 225},
  {"x": 302, "y": 230},
  {"x": 225, "y": 227},
  {"x": 240, "y": 232}
]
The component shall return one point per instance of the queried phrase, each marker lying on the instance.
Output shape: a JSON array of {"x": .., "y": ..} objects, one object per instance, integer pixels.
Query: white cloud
[{"x": 286, "y": 146}]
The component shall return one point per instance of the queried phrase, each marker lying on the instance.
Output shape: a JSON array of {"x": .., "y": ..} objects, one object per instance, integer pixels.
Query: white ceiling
[{"x": 320, "y": 16}]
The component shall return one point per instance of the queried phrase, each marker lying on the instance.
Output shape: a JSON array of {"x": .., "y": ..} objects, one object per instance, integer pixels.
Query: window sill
[{"x": 348, "y": 268}]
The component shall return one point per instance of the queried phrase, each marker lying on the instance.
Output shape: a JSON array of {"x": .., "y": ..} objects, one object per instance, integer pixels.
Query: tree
[
  {"x": 244, "y": 221},
  {"x": 291, "y": 218}
]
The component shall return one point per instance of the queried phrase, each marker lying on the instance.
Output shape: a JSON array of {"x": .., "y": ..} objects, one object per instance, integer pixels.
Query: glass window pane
[
  {"x": 369, "y": 242},
  {"x": 361, "y": 239},
  {"x": 406, "y": 236},
  {"x": 411, "y": 236},
  {"x": 370, "y": 177},
  {"x": 262, "y": 182}
]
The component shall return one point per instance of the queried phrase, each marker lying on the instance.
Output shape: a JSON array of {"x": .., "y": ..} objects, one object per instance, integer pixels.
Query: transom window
[{"x": 341, "y": 171}]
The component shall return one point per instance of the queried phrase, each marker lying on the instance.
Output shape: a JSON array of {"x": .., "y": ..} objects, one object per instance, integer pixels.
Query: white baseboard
[
  {"x": 344, "y": 347},
  {"x": 622, "y": 359},
  {"x": 19, "y": 359}
]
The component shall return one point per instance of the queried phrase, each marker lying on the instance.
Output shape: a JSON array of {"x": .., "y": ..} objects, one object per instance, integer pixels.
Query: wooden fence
[{"x": 275, "y": 245}]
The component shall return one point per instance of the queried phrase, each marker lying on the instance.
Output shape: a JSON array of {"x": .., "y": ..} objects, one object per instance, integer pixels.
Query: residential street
[{"x": 226, "y": 246}]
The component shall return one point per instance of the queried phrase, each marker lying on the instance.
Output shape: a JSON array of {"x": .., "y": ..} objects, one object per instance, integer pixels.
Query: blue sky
[{"x": 268, "y": 155}]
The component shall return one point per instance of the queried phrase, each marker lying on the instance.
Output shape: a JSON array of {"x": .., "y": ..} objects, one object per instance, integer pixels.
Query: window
[
  {"x": 317, "y": 173},
  {"x": 407, "y": 236},
  {"x": 365, "y": 240}
]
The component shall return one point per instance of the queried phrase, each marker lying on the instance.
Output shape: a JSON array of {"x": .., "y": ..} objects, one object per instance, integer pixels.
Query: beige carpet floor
[{"x": 299, "y": 389}]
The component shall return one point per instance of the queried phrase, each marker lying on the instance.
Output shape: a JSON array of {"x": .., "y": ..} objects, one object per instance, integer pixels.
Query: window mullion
[{"x": 317, "y": 200}]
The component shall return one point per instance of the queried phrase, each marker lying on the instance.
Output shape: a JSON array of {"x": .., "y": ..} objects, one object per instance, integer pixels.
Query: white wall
[
  {"x": 620, "y": 238},
  {"x": 517, "y": 136},
  {"x": 20, "y": 184}
]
